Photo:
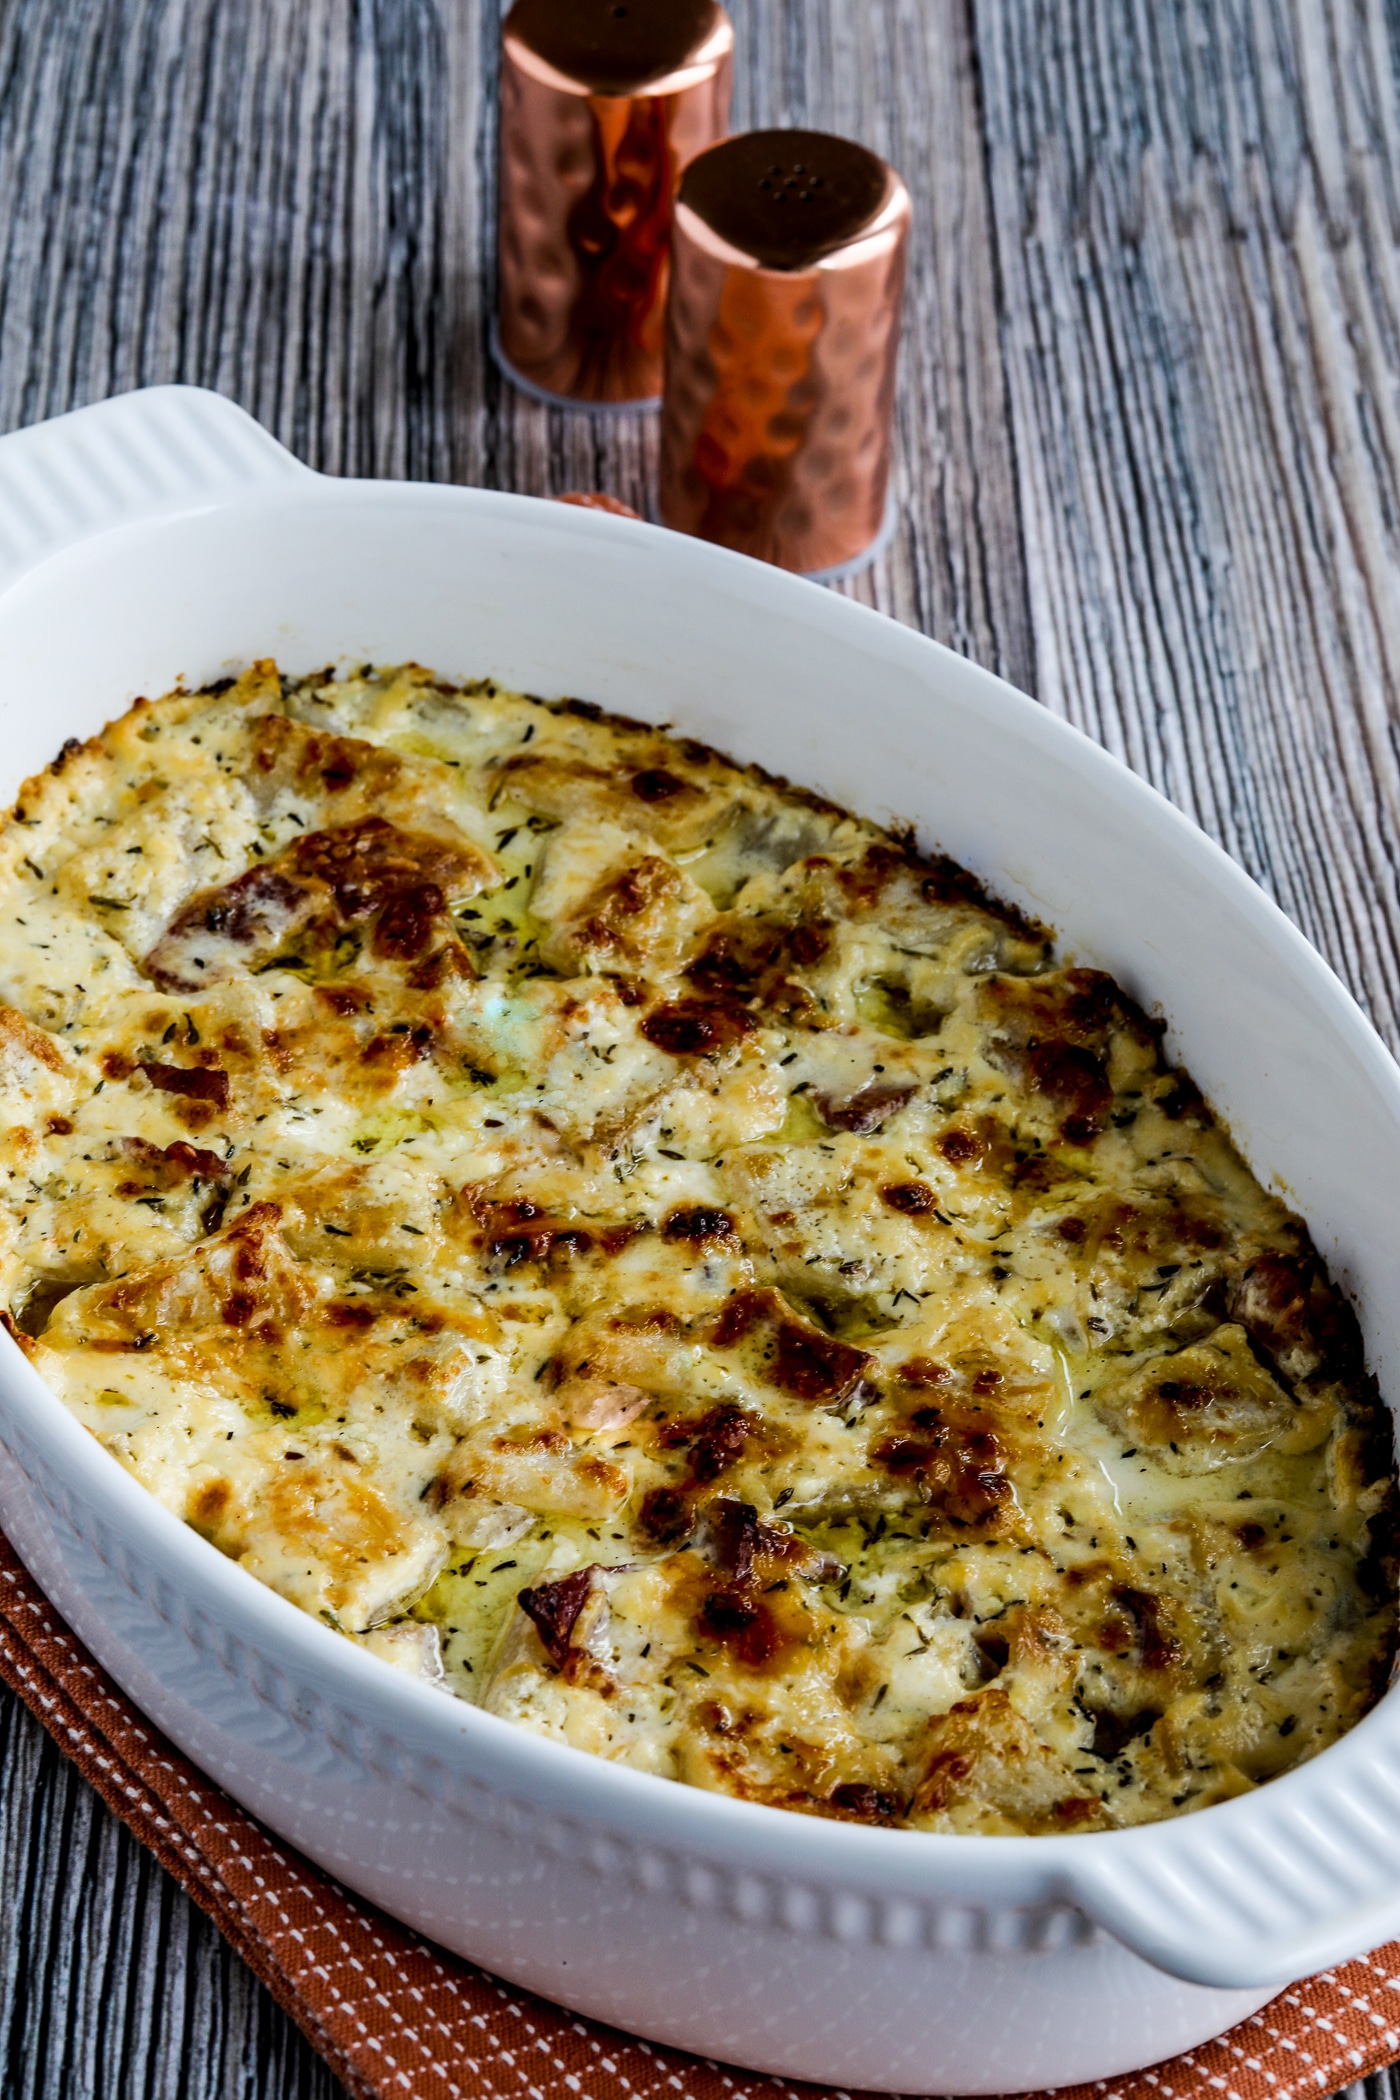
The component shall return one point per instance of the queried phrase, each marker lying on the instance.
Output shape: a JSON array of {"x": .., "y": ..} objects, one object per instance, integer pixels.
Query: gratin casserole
[{"x": 627, "y": 1240}]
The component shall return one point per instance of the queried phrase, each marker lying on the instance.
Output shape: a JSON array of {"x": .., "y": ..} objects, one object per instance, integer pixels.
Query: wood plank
[
  {"x": 1196, "y": 214},
  {"x": 112, "y": 1985}
]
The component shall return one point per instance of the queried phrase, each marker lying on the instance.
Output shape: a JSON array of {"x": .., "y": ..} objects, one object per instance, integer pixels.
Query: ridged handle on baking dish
[
  {"x": 1267, "y": 1888},
  {"x": 162, "y": 448}
]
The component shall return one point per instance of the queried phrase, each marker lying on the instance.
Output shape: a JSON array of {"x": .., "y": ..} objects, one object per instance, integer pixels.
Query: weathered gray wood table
[{"x": 1149, "y": 468}]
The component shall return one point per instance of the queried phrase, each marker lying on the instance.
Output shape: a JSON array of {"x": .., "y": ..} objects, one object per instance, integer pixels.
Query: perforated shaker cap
[
  {"x": 788, "y": 199},
  {"x": 616, "y": 47}
]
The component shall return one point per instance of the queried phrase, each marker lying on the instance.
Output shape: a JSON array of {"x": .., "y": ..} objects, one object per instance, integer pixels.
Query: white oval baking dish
[{"x": 164, "y": 536}]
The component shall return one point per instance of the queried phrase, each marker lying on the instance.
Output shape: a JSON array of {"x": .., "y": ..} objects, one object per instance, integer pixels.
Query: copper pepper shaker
[
  {"x": 783, "y": 326},
  {"x": 603, "y": 102}
]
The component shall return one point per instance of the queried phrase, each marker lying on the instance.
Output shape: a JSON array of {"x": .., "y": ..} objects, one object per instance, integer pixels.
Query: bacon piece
[
  {"x": 752, "y": 960},
  {"x": 797, "y": 1358},
  {"x": 666, "y": 1515},
  {"x": 555, "y": 1607},
  {"x": 912, "y": 1198},
  {"x": 407, "y": 921},
  {"x": 191, "y": 1082},
  {"x": 164, "y": 1166},
  {"x": 719, "y": 1439},
  {"x": 696, "y": 1027},
  {"x": 734, "y": 1531},
  {"x": 813, "y": 1366},
  {"x": 736, "y": 959},
  {"x": 741, "y": 1623},
  {"x": 1076, "y": 1081},
  {"x": 317, "y": 889},
  {"x": 257, "y": 906},
  {"x": 1158, "y": 1649},
  {"x": 1291, "y": 1313},
  {"x": 865, "y": 1110},
  {"x": 959, "y": 1468},
  {"x": 716, "y": 1439},
  {"x": 751, "y": 1551}
]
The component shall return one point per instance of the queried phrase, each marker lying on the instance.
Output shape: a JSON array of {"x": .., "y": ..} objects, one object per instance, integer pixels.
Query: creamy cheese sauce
[{"x": 656, "y": 1255}]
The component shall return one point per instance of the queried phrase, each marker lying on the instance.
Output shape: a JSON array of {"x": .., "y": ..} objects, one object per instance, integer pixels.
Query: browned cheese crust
[{"x": 658, "y": 1256}]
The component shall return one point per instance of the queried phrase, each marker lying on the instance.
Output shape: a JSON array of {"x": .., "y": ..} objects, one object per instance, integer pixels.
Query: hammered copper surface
[
  {"x": 782, "y": 338},
  {"x": 588, "y": 181}
]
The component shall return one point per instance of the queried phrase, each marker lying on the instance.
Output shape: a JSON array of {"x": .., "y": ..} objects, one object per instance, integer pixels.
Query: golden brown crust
[{"x": 536, "y": 1190}]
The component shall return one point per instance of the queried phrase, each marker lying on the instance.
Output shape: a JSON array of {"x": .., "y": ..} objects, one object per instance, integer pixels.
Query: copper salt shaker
[
  {"x": 783, "y": 326},
  {"x": 602, "y": 104}
]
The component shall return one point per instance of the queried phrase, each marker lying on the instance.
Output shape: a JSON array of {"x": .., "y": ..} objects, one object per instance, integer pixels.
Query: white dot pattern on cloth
[{"x": 397, "y": 2020}]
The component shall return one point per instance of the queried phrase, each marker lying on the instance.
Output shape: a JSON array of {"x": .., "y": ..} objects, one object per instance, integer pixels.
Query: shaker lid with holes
[
  {"x": 788, "y": 200},
  {"x": 618, "y": 47}
]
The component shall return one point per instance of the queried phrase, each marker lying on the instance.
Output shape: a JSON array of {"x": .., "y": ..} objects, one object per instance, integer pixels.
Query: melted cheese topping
[{"x": 626, "y": 1240}]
